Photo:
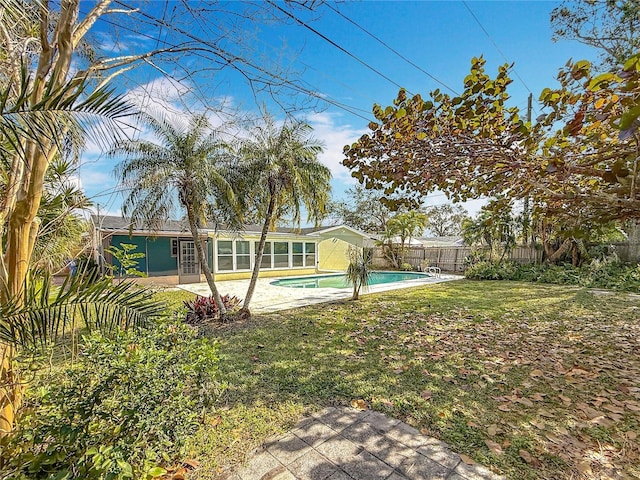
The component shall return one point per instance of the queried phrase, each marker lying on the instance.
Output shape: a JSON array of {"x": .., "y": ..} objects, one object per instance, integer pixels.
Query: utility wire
[
  {"x": 496, "y": 46},
  {"x": 342, "y": 49},
  {"x": 379, "y": 40},
  {"x": 294, "y": 87}
]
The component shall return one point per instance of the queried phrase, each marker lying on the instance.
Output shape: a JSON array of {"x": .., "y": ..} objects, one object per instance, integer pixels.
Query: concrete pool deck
[{"x": 271, "y": 298}]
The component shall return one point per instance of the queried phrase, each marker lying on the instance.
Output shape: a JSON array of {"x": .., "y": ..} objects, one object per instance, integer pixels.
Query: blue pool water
[{"x": 338, "y": 280}]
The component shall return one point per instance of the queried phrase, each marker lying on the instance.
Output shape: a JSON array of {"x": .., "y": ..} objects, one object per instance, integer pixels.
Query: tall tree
[
  {"x": 284, "y": 175},
  {"x": 187, "y": 164},
  {"x": 363, "y": 210},
  {"x": 446, "y": 220},
  {"x": 398, "y": 234},
  {"x": 612, "y": 26}
]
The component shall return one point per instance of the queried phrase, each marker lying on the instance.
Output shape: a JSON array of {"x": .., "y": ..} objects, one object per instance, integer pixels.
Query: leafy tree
[
  {"x": 473, "y": 145},
  {"x": 364, "y": 210},
  {"x": 128, "y": 260},
  {"x": 359, "y": 270},
  {"x": 186, "y": 168},
  {"x": 495, "y": 226},
  {"x": 612, "y": 26},
  {"x": 446, "y": 220},
  {"x": 62, "y": 232},
  {"x": 399, "y": 232},
  {"x": 282, "y": 174}
]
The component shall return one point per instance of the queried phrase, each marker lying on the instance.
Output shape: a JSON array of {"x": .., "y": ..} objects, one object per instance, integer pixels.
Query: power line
[
  {"x": 229, "y": 60},
  {"x": 353, "y": 22},
  {"x": 342, "y": 49},
  {"x": 496, "y": 46}
]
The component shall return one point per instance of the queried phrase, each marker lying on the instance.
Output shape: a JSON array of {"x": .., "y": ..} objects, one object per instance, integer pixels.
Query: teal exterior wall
[{"x": 157, "y": 261}]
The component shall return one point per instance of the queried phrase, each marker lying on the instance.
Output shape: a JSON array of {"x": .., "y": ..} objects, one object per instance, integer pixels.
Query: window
[
  {"x": 310, "y": 254},
  {"x": 266, "y": 256},
  {"x": 174, "y": 247},
  {"x": 297, "y": 255},
  {"x": 280, "y": 254},
  {"x": 243, "y": 255},
  {"x": 225, "y": 255}
]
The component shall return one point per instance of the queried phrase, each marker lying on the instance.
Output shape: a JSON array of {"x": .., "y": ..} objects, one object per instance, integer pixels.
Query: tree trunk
[
  {"x": 10, "y": 391},
  {"x": 202, "y": 259},
  {"x": 244, "y": 311},
  {"x": 561, "y": 251}
]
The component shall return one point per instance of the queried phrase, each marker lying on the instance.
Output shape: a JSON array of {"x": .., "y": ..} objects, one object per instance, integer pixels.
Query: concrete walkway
[
  {"x": 272, "y": 298},
  {"x": 347, "y": 444}
]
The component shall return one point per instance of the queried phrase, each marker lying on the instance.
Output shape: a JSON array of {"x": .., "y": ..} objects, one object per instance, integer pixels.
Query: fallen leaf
[
  {"x": 466, "y": 460},
  {"x": 215, "y": 421},
  {"x": 492, "y": 430},
  {"x": 538, "y": 397},
  {"x": 565, "y": 400},
  {"x": 541, "y": 425},
  {"x": 631, "y": 435},
  {"x": 585, "y": 467},
  {"x": 426, "y": 394},
  {"x": 536, "y": 373},
  {"x": 494, "y": 447},
  {"x": 504, "y": 408},
  {"x": 545, "y": 413},
  {"x": 553, "y": 438},
  {"x": 525, "y": 401},
  {"x": 359, "y": 404},
  {"x": 530, "y": 459},
  {"x": 613, "y": 409},
  {"x": 386, "y": 402}
]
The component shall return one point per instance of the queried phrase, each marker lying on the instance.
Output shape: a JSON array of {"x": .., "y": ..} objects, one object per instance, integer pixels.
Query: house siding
[{"x": 333, "y": 254}]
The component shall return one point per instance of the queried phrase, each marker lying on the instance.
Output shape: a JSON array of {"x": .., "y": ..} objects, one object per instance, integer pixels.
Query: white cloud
[{"x": 334, "y": 136}]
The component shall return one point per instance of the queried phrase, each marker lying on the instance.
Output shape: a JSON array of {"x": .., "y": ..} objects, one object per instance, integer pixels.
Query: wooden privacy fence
[{"x": 452, "y": 259}]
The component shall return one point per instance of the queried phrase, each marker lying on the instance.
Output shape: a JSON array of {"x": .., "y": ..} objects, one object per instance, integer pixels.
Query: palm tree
[
  {"x": 403, "y": 227},
  {"x": 188, "y": 165},
  {"x": 285, "y": 175},
  {"x": 359, "y": 270}
]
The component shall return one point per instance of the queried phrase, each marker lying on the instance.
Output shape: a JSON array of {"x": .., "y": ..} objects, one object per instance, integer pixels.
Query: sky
[{"x": 349, "y": 55}]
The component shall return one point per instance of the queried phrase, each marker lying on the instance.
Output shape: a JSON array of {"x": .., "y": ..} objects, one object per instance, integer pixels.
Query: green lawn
[{"x": 533, "y": 381}]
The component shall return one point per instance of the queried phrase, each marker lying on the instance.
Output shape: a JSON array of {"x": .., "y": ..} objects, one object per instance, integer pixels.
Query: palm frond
[
  {"x": 62, "y": 110},
  {"x": 43, "y": 313}
]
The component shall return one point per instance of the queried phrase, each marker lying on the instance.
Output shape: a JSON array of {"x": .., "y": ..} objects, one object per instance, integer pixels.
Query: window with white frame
[
  {"x": 310, "y": 254},
  {"x": 280, "y": 254},
  {"x": 297, "y": 254},
  {"x": 243, "y": 255},
  {"x": 225, "y": 255},
  {"x": 238, "y": 255},
  {"x": 266, "y": 256}
]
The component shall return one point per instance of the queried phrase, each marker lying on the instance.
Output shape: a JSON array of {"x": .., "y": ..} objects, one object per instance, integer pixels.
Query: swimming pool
[{"x": 338, "y": 280}]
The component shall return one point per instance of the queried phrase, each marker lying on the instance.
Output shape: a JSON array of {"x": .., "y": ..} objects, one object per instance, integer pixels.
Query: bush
[
  {"x": 491, "y": 271},
  {"x": 203, "y": 309},
  {"x": 607, "y": 273},
  {"x": 123, "y": 409},
  {"x": 406, "y": 267}
]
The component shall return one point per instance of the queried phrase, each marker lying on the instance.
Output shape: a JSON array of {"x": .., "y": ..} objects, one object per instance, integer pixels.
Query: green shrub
[
  {"x": 491, "y": 271},
  {"x": 607, "y": 273},
  {"x": 406, "y": 267},
  {"x": 123, "y": 409},
  {"x": 203, "y": 309}
]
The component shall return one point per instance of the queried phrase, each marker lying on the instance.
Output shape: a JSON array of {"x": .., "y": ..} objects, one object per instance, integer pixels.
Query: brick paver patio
[{"x": 348, "y": 444}]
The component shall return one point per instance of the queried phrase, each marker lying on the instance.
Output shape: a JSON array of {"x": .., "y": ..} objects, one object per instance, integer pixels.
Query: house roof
[
  {"x": 452, "y": 241},
  {"x": 113, "y": 223}
]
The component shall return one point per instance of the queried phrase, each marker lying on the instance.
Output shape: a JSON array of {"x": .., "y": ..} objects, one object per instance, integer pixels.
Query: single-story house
[{"x": 170, "y": 253}]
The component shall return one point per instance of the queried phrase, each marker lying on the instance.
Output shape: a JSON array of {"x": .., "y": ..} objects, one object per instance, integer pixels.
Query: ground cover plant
[
  {"x": 534, "y": 381},
  {"x": 124, "y": 408},
  {"x": 597, "y": 273}
]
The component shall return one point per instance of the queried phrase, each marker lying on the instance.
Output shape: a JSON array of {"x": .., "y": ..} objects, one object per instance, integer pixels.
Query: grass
[{"x": 533, "y": 381}]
